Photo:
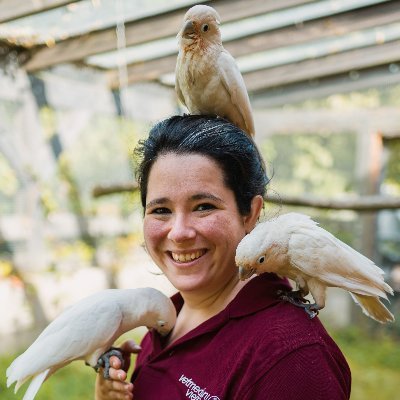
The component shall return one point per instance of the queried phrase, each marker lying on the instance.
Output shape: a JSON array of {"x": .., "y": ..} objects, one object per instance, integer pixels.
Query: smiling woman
[{"x": 202, "y": 183}]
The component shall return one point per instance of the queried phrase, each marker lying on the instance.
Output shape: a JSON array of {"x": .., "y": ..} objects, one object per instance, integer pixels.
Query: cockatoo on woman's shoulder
[
  {"x": 207, "y": 79},
  {"x": 86, "y": 330},
  {"x": 294, "y": 246}
]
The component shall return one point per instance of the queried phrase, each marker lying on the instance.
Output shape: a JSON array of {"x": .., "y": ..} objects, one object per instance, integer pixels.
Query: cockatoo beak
[
  {"x": 245, "y": 273},
  {"x": 188, "y": 30},
  {"x": 162, "y": 328}
]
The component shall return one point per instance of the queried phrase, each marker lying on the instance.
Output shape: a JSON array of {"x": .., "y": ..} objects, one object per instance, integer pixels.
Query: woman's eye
[
  {"x": 205, "y": 207},
  {"x": 160, "y": 211}
]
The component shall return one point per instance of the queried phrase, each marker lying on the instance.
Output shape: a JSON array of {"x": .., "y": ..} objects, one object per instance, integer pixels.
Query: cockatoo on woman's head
[
  {"x": 207, "y": 79},
  {"x": 294, "y": 246},
  {"x": 86, "y": 330}
]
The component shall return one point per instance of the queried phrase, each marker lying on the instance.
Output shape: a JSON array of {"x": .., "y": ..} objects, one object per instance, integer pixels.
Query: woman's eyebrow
[
  {"x": 206, "y": 196},
  {"x": 156, "y": 202}
]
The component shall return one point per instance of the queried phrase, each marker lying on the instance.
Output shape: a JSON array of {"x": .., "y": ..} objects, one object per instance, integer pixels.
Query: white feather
[{"x": 35, "y": 385}]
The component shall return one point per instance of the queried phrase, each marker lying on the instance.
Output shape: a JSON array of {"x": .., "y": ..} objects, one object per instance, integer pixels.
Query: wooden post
[{"x": 368, "y": 169}]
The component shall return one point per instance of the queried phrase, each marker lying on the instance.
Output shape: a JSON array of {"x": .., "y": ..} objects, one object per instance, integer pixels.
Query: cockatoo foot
[
  {"x": 104, "y": 361},
  {"x": 312, "y": 310},
  {"x": 296, "y": 298}
]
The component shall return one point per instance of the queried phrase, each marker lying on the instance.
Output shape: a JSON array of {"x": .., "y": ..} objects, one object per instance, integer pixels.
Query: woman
[{"x": 202, "y": 183}]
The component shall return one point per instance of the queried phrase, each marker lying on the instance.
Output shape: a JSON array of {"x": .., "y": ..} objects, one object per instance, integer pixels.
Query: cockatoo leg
[
  {"x": 296, "y": 298},
  {"x": 104, "y": 361}
]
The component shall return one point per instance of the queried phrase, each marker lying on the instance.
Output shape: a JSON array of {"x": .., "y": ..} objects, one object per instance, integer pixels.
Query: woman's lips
[{"x": 187, "y": 256}]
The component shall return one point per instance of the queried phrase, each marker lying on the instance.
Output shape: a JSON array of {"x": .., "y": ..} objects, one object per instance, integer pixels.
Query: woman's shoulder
[{"x": 285, "y": 327}]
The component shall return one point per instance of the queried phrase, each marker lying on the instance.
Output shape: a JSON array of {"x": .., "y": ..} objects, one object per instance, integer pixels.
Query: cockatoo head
[
  {"x": 262, "y": 250},
  {"x": 200, "y": 26},
  {"x": 161, "y": 314}
]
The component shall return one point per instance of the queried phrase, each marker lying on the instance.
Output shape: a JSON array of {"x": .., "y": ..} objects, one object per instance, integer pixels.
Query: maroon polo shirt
[{"x": 258, "y": 347}]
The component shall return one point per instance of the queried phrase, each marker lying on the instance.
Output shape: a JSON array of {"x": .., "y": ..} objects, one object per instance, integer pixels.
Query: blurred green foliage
[
  {"x": 374, "y": 362},
  {"x": 393, "y": 165},
  {"x": 311, "y": 163}
]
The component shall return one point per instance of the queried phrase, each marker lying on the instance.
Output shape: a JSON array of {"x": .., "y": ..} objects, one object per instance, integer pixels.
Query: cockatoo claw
[
  {"x": 312, "y": 310},
  {"x": 295, "y": 297},
  {"x": 104, "y": 361}
]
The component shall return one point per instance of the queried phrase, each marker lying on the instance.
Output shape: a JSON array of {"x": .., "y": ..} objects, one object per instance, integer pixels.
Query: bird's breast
[{"x": 200, "y": 83}]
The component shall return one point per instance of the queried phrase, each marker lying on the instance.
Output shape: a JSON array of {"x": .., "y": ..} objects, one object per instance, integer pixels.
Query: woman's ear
[{"x": 250, "y": 220}]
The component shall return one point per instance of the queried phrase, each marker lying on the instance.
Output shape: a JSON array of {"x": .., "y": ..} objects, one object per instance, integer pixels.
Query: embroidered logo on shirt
[{"x": 195, "y": 392}]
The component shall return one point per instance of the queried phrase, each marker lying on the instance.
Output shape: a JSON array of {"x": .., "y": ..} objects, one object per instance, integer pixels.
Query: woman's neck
[{"x": 199, "y": 307}]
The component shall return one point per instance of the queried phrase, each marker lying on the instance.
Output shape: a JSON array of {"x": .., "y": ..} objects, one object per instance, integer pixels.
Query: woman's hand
[{"x": 116, "y": 387}]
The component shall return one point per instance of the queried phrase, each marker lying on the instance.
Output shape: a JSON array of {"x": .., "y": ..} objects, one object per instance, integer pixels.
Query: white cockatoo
[
  {"x": 207, "y": 79},
  {"x": 86, "y": 330},
  {"x": 294, "y": 246}
]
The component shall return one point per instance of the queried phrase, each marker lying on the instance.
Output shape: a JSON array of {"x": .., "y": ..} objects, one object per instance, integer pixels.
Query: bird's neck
[{"x": 136, "y": 312}]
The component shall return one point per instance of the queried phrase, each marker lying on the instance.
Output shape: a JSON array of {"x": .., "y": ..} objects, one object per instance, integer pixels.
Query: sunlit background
[{"x": 81, "y": 82}]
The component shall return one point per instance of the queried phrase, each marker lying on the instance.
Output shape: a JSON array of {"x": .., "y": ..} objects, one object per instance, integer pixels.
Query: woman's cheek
[
  {"x": 221, "y": 226},
  {"x": 153, "y": 230}
]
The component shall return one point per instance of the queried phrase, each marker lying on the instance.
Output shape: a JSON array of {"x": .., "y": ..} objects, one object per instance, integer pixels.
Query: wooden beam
[
  {"x": 101, "y": 190},
  {"x": 277, "y": 121},
  {"x": 364, "y": 203},
  {"x": 145, "y": 30},
  {"x": 12, "y": 9},
  {"x": 316, "y": 68},
  {"x": 341, "y": 24},
  {"x": 381, "y": 76},
  {"x": 360, "y": 204},
  {"x": 391, "y": 134}
]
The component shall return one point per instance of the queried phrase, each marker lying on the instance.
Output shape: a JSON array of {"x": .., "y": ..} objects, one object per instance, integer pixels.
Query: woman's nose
[{"x": 181, "y": 229}]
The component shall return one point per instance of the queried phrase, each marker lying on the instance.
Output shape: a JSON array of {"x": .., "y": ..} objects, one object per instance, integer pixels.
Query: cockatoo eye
[
  {"x": 205, "y": 28},
  {"x": 261, "y": 259}
]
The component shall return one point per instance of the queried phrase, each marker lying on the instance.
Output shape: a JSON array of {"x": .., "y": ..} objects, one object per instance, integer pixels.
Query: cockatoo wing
[
  {"x": 177, "y": 85},
  {"x": 78, "y": 332},
  {"x": 317, "y": 253},
  {"x": 233, "y": 82}
]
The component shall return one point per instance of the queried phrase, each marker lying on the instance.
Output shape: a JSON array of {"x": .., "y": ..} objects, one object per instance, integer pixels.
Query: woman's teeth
[{"x": 187, "y": 257}]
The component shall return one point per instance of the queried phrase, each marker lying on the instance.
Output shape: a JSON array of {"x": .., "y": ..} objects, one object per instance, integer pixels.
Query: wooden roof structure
[{"x": 288, "y": 50}]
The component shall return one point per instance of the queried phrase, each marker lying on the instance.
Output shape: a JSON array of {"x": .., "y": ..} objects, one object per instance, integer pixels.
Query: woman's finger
[
  {"x": 117, "y": 374},
  {"x": 127, "y": 348}
]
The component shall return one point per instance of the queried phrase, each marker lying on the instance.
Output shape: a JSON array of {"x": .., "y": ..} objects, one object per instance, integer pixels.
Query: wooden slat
[
  {"x": 343, "y": 83},
  {"x": 331, "y": 26},
  {"x": 280, "y": 121},
  {"x": 13, "y": 9},
  {"x": 145, "y": 30},
  {"x": 330, "y": 65}
]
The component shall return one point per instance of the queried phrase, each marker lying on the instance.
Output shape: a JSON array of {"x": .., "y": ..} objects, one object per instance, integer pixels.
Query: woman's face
[{"x": 192, "y": 225}]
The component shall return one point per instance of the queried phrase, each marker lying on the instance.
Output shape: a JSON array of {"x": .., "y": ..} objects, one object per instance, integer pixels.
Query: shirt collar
[{"x": 259, "y": 293}]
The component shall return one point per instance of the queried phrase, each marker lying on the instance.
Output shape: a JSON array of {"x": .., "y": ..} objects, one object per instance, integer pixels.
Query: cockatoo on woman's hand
[
  {"x": 86, "y": 330},
  {"x": 294, "y": 246},
  {"x": 207, "y": 79}
]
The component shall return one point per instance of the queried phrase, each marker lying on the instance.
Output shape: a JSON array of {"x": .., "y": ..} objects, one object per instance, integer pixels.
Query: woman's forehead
[
  {"x": 186, "y": 163},
  {"x": 192, "y": 173}
]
